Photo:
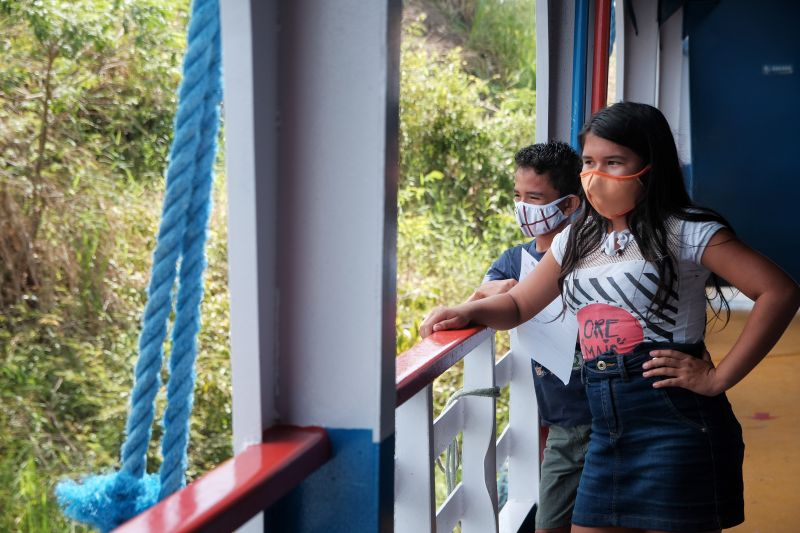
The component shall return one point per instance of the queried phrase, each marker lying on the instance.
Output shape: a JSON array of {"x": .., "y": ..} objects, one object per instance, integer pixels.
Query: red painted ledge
[
  {"x": 238, "y": 489},
  {"x": 432, "y": 356}
]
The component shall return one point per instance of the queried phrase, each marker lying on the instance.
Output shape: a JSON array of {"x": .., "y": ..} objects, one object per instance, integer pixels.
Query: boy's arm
[
  {"x": 492, "y": 288},
  {"x": 498, "y": 279},
  {"x": 503, "y": 311}
]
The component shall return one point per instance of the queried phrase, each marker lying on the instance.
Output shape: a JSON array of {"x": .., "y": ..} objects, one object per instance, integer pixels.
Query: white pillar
[
  {"x": 555, "y": 20},
  {"x": 311, "y": 122},
  {"x": 671, "y": 69},
  {"x": 637, "y": 61}
]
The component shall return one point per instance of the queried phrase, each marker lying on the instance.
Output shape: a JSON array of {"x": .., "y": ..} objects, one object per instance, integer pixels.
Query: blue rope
[{"x": 107, "y": 500}]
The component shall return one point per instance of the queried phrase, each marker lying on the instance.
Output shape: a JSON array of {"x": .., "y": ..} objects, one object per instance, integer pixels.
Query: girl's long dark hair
[{"x": 643, "y": 129}]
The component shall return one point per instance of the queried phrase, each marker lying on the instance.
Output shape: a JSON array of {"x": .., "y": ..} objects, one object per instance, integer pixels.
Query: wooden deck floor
[{"x": 767, "y": 404}]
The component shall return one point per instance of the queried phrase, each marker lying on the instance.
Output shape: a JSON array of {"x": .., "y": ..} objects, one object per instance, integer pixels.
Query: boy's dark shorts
[{"x": 561, "y": 472}]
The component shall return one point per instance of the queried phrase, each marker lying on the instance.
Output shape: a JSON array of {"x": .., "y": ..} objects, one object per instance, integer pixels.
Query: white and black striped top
[{"x": 611, "y": 295}]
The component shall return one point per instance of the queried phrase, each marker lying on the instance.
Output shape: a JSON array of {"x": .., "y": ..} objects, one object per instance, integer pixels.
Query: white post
[
  {"x": 554, "y": 35},
  {"x": 523, "y": 460},
  {"x": 251, "y": 163},
  {"x": 479, "y": 481},
  {"x": 311, "y": 124},
  {"x": 414, "y": 494},
  {"x": 619, "y": 49},
  {"x": 671, "y": 69},
  {"x": 638, "y": 54},
  {"x": 542, "y": 70}
]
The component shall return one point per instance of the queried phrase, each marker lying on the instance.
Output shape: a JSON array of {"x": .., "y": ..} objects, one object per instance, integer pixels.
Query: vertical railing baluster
[
  {"x": 478, "y": 470},
  {"x": 419, "y": 437},
  {"x": 523, "y": 461},
  {"x": 414, "y": 497}
]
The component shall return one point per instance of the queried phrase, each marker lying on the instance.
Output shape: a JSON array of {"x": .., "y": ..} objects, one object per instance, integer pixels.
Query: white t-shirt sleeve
[
  {"x": 694, "y": 237},
  {"x": 559, "y": 246}
]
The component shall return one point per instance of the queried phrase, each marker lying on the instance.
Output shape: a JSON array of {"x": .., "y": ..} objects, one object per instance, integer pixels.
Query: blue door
[{"x": 745, "y": 118}]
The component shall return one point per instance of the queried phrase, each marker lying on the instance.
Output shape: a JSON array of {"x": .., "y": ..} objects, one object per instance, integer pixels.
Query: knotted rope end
[{"x": 106, "y": 501}]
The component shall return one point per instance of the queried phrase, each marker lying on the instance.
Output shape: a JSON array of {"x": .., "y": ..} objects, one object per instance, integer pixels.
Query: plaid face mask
[{"x": 538, "y": 219}]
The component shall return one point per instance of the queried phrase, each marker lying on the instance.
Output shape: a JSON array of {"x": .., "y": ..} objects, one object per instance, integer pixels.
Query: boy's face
[{"x": 533, "y": 188}]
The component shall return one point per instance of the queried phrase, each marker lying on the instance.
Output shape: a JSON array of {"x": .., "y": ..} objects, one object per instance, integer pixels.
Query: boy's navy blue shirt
[{"x": 559, "y": 405}]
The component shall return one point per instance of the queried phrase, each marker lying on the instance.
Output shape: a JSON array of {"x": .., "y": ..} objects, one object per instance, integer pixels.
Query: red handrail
[
  {"x": 238, "y": 489},
  {"x": 431, "y": 357}
]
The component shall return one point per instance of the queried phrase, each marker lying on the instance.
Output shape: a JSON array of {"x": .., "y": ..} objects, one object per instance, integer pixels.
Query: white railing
[{"x": 420, "y": 439}]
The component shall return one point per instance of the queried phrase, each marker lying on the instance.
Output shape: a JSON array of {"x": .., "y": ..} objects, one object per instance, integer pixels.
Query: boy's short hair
[{"x": 558, "y": 160}]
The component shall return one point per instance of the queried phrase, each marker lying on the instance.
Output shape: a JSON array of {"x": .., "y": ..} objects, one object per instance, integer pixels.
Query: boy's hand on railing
[
  {"x": 492, "y": 288},
  {"x": 443, "y": 318}
]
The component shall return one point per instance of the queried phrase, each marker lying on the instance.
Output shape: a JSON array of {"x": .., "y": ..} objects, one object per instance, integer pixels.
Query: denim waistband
[{"x": 612, "y": 365}]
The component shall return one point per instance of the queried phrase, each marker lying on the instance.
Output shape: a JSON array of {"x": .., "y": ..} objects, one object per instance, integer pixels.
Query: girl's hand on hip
[
  {"x": 682, "y": 370},
  {"x": 443, "y": 318}
]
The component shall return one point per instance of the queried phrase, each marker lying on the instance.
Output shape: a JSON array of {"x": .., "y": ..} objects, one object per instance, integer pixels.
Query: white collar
[{"x": 615, "y": 242}]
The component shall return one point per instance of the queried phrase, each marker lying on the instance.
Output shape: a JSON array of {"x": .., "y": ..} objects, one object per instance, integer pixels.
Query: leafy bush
[
  {"x": 504, "y": 33},
  {"x": 87, "y": 99},
  {"x": 500, "y": 34},
  {"x": 458, "y": 136},
  {"x": 87, "y": 96},
  {"x": 457, "y": 142},
  {"x": 87, "y": 93},
  {"x": 66, "y": 382}
]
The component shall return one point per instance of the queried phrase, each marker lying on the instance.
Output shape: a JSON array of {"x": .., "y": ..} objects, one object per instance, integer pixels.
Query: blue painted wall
[
  {"x": 745, "y": 114},
  {"x": 352, "y": 493}
]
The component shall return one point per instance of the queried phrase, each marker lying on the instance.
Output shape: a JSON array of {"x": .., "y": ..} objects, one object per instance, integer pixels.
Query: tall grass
[
  {"x": 501, "y": 34},
  {"x": 67, "y": 373},
  {"x": 69, "y": 324}
]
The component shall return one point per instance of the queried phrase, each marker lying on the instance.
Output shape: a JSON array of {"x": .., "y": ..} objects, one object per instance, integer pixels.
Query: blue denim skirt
[{"x": 665, "y": 459}]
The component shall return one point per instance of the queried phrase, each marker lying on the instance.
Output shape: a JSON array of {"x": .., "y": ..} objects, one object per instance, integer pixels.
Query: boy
[{"x": 546, "y": 185}]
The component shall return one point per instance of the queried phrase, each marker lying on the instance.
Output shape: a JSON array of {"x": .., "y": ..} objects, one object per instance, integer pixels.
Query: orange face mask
[{"x": 612, "y": 196}]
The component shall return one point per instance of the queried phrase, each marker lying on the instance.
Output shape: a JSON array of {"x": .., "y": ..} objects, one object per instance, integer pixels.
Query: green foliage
[
  {"x": 457, "y": 142},
  {"x": 504, "y": 34},
  {"x": 87, "y": 95},
  {"x": 94, "y": 81},
  {"x": 458, "y": 136},
  {"x": 500, "y": 34},
  {"x": 66, "y": 381}
]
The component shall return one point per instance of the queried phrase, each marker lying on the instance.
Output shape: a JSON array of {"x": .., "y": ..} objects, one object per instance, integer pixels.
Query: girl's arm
[
  {"x": 503, "y": 311},
  {"x": 776, "y": 297}
]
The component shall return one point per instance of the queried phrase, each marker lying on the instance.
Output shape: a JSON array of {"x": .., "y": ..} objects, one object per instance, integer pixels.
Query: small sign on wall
[{"x": 777, "y": 70}]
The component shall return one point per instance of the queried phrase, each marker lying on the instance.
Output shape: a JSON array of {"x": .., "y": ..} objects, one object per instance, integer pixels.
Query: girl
[{"x": 666, "y": 450}]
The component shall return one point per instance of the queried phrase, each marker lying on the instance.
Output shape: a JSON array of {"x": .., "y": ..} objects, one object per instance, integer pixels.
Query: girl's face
[{"x": 605, "y": 156}]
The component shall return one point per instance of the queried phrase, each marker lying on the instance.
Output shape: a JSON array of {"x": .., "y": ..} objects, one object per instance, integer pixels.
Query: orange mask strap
[{"x": 607, "y": 175}]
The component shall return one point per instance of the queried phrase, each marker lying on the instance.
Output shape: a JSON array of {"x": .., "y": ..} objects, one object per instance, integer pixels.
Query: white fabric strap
[{"x": 616, "y": 241}]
